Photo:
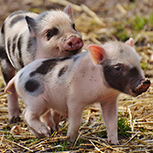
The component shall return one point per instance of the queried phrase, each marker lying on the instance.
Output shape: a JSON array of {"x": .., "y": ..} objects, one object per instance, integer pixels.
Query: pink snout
[
  {"x": 145, "y": 84},
  {"x": 142, "y": 87},
  {"x": 73, "y": 44}
]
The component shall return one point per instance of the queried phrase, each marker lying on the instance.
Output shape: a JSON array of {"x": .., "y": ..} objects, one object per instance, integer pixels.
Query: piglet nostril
[{"x": 70, "y": 44}]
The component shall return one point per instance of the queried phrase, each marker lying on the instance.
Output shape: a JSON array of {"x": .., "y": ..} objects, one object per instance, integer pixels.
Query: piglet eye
[
  {"x": 51, "y": 32},
  {"x": 117, "y": 68}
]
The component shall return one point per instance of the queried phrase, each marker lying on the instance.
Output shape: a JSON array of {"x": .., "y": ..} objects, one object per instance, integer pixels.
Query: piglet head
[
  {"x": 121, "y": 68},
  {"x": 55, "y": 33}
]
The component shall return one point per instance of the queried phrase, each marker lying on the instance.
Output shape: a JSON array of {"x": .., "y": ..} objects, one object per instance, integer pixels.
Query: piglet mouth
[
  {"x": 73, "y": 52},
  {"x": 142, "y": 87}
]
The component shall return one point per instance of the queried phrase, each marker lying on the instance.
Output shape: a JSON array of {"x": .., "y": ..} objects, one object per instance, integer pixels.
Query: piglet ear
[
  {"x": 31, "y": 25},
  {"x": 130, "y": 42},
  {"x": 68, "y": 10},
  {"x": 97, "y": 53}
]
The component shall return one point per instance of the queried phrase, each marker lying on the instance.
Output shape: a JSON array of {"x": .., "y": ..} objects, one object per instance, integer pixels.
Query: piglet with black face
[
  {"x": 122, "y": 69},
  {"x": 69, "y": 84}
]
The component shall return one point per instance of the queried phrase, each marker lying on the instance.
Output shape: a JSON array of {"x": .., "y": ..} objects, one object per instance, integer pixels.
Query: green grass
[
  {"x": 121, "y": 32},
  {"x": 151, "y": 18},
  {"x": 130, "y": 27},
  {"x": 144, "y": 66},
  {"x": 63, "y": 146},
  {"x": 139, "y": 23},
  {"x": 144, "y": 129},
  {"x": 123, "y": 126},
  {"x": 9, "y": 136}
]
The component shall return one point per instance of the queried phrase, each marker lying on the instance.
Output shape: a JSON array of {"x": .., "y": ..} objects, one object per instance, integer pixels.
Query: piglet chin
[{"x": 142, "y": 87}]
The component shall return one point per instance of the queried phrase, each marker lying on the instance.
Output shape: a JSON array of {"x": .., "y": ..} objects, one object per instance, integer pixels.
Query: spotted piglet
[
  {"x": 69, "y": 84},
  {"x": 26, "y": 36}
]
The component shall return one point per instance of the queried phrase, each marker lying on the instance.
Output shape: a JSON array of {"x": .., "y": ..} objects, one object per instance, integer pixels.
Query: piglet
[
  {"x": 26, "y": 36},
  {"x": 69, "y": 84}
]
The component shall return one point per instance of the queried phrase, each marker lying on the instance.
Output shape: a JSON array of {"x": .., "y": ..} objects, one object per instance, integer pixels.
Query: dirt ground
[{"x": 98, "y": 21}]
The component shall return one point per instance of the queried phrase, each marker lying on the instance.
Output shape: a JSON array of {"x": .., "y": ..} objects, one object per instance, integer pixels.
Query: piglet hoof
[
  {"x": 41, "y": 131},
  {"x": 15, "y": 120},
  {"x": 72, "y": 138},
  {"x": 113, "y": 142},
  {"x": 44, "y": 132},
  {"x": 42, "y": 135}
]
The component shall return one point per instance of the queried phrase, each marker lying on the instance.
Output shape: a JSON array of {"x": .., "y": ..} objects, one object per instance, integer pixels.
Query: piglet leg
[
  {"x": 13, "y": 106},
  {"x": 8, "y": 72},
  {"x": 51, "y": 118},
  {"x": 109, "y": 114},
  {"x": 31, "y": 116},
  {"x": 74, "y": 115}
]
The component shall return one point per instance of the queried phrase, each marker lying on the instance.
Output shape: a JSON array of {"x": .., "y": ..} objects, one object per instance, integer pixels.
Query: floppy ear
[
  {"x": 130, "y": 42},
  {"x": 97, "y": 53},
  {"x": 31, "y": 25},
  {"x": 68, "y": 10}
]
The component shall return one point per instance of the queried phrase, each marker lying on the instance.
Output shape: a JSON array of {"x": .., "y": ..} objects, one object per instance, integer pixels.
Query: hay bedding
[
  {"x": 92, "y": 135},
  {"x": 135, "y": 116}
]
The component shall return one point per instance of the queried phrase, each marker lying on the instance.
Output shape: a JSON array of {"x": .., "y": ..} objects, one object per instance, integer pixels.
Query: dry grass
[
  {"x": 136, "y": 112},
  {"x": 135, "y": 116}
]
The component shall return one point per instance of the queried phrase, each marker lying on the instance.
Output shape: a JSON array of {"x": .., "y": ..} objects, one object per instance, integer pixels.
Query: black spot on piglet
[
  {"x": 8, "y": 45},
  {"x": 19, "y": 44},
  {"x": 34, "y": 87},
  {"x": 16, "y": 19},
  {"x": 48, "y": 65},
  {"x": 62, "y": 71}
]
